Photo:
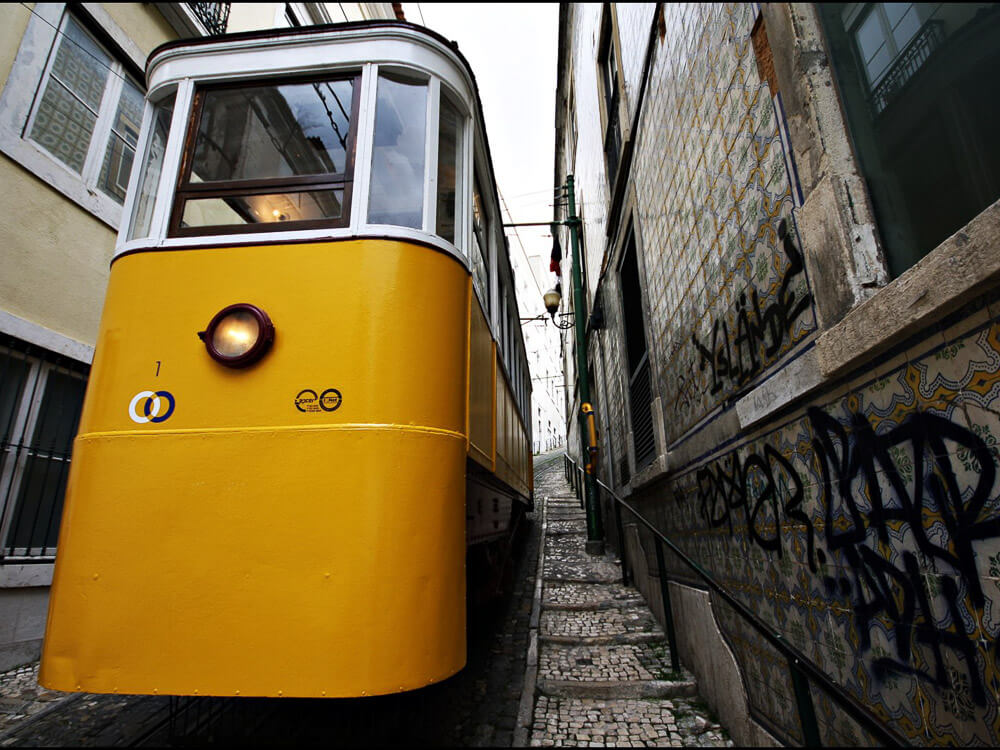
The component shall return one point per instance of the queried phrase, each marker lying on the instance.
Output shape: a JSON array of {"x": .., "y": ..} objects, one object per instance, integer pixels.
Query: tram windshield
[
  {"x": 361, "y": 148},
  {"x": 268, "y": 153}
]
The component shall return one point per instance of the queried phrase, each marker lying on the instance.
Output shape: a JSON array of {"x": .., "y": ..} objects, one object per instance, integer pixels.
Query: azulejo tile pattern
[
  {"x": 725, "y": 283},
  {"x": 866, "y": 528}
]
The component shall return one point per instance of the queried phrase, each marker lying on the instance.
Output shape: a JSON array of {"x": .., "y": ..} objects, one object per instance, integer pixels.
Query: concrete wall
[{"x": 827, "y": 438}]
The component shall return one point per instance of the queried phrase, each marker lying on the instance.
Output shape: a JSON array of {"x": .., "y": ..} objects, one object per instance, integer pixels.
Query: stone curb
[
  {"x": 526, "y": 708},
  {"x": 618, "y": 690}
]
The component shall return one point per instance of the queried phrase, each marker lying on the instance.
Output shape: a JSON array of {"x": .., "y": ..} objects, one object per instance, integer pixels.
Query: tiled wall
[{"x": 865, "y": 524}]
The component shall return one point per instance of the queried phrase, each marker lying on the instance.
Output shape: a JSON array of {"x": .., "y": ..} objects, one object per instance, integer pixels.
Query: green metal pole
[{"x": 595, "y": 528}]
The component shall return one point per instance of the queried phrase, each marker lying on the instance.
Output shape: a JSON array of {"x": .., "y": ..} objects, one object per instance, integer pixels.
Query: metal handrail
[{"x": 802, "y": 668}]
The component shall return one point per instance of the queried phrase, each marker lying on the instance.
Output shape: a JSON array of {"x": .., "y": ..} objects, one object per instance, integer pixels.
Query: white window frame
[{"x": 18, "y": 103}]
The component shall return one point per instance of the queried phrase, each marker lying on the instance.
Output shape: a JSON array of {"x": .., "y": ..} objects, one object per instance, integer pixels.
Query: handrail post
[
  {"x": 668, "y": 613},
  {"x": 803, "y": 698},
  {"x": 621, "y": 542}
]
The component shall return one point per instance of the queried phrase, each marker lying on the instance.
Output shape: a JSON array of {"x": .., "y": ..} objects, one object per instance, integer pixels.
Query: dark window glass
[
  {"x": 920, "y": 83},
  {"x": 269, "y": 155},
  {"x": 258, "y": 209},
  {"x": 640, "y": 387},
  {"x": 449, "y": 178},
  {"x": 479, "y": 257},
  {"x": 156, "y": 149},
  {"x": 397, "y": 178},
  {"x": 39, "y": 413},
  {"x": 273, "y": 131},
  {"x": 609, "y": 82}
]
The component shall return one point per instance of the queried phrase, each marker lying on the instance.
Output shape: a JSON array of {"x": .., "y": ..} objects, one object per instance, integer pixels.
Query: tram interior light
[{"x": 238, "y": 335}]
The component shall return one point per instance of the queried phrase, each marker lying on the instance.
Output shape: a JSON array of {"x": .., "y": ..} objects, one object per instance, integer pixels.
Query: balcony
[
  {"x": 906, "y": 64},
  {"x": 213, "y": 16}
]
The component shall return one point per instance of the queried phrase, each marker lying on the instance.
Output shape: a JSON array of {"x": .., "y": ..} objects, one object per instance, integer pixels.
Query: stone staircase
[{"x": 604, "y": 676}]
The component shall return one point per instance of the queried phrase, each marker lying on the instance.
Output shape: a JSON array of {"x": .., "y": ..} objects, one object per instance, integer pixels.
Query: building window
[
  {"x": 920, "y": 83},
  {"x": 40, "y": 402},
  {"x": 607, "y": 62},
  {"x": 72, "y": 106},
  {"x": 639, "y": 385},
  {"x": 88, "y": 112}
]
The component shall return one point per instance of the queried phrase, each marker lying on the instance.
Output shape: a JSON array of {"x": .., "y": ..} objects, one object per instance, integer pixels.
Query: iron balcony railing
[
  {"x": 906, "y": 64},
  {"x": 214, "y": 16},
  {"x": 802, "y": 669}
]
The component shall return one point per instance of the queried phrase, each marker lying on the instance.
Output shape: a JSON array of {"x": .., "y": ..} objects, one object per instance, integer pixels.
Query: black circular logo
[
  {"x": 330, "y": 400},
  {"x": 307, "y": 400}
]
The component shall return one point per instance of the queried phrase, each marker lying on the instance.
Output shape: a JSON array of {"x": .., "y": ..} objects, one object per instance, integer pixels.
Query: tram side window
[
  {"x": 397, "y": 176},
  {"x": 450, "y": 147},
  {"x": 142, "y": 215},
  {"x": 267, "y": 154},
  {"x": 480, "y": 247}
]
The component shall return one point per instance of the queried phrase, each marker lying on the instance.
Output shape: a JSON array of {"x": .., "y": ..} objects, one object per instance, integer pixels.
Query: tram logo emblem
[
  {"x": 308, "y": 401},
  {"x": 149, "y": 406}
]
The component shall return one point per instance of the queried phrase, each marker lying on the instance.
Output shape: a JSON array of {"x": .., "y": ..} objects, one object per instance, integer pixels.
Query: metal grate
[
  {"x": 215, "y": 16},
  {"x": 909, "y": 61},
  {"x": 640, "y": 398},
  {"x": 41, "y": 395}
]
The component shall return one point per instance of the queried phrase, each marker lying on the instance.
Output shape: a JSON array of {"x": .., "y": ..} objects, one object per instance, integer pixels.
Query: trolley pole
[{"x": 595, "y": 528}]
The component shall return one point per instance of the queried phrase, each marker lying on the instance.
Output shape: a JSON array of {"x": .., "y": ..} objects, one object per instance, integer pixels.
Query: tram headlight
[{"x": 238, "y": 335}]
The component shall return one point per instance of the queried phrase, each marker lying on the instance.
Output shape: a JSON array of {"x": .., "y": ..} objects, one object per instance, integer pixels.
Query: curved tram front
[{"x": 309, "y": 390}]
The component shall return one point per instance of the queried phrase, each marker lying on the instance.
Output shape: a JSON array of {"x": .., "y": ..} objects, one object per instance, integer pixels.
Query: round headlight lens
[{"x": 238, "y": 335}]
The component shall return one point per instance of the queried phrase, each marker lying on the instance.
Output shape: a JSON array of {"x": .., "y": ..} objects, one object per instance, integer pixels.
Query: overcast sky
[{"x": 512, "y": 51}]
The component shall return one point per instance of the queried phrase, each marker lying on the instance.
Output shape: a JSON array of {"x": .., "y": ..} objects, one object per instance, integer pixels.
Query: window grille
[{"x": 41, "y": 395}]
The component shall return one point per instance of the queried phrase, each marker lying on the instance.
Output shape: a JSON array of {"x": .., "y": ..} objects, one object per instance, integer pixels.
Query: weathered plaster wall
[{"x": 55, "y": 255}]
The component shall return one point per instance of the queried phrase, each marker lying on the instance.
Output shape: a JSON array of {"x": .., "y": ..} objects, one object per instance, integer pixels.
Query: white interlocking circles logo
[{"x": 150, "y": 406}]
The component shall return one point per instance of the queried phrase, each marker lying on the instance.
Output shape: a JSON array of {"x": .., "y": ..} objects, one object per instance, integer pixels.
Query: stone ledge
[{"x": 959, "y": 269}]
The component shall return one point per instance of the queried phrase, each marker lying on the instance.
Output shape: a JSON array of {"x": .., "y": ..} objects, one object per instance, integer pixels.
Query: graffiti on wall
[
  {"x": 888, "y": 501},
  {"x": 763, "y": 324},
  {"x": 925, "y": 493}
]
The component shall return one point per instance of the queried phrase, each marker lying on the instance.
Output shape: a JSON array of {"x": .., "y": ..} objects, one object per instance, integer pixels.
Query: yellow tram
[{"x": 310, "y": 391}]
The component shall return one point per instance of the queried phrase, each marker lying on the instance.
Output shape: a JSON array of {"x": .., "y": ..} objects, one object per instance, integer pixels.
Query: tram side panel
[
  {"x": 254, "y": 541},
  {"x": 510, "y": 437},
  {"x": 481, "y": 384}
]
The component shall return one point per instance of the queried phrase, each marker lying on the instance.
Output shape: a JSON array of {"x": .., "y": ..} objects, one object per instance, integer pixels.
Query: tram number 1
[{"x": 157, "y": 369}]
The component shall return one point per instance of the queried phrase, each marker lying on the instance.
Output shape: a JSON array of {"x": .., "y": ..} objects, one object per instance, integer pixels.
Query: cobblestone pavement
[
  {"x": 478, "y": 707},
  {"x": 604, "y": 677}
]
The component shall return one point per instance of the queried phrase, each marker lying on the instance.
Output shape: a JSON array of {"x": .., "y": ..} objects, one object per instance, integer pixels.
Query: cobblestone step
[
  {"x": 622, "y": 723},
  {"x": 589, "y": 623},
  {"x": 559, "y": 594},
  {"x": 626, "y": 662}
]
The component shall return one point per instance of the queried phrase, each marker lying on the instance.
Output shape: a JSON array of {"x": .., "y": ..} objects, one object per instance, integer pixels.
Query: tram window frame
[{"x": 186, "y": 190}]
